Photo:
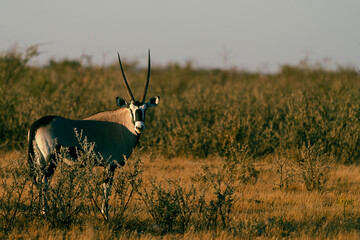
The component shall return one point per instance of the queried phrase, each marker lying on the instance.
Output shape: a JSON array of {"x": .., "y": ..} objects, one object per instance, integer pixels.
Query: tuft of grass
[{"x": 313, "y": 167}]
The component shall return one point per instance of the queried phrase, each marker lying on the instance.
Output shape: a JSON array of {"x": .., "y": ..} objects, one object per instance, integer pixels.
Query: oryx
[{"x": 114, "y": 133}]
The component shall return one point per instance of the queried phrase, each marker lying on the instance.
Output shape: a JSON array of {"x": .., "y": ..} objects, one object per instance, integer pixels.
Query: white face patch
[{"x": 139, "y": 126}]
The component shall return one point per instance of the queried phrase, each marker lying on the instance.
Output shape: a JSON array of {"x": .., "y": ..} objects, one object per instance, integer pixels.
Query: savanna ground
[{"x": 226, "y": 154}]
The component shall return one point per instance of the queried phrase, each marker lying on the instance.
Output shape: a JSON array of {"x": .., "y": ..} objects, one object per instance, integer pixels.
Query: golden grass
[{"x": 263, "y": 211}]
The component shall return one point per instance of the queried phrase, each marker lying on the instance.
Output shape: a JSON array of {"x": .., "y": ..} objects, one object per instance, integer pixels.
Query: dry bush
[
  {"x": 313, "y": 167},
  {"x": 222, "y": 187},
  {"x": 219, "y": 201},
  {"x": 309, "y": 165},
  {"x": 127, "y": 180},
  {"x": 285, "y": 169},
  {"x": 17, "y": 199},
  {"x": 75, "y": 193},
  {"x": 207, "y": 202},
  {"x": 171, "y": 206}
]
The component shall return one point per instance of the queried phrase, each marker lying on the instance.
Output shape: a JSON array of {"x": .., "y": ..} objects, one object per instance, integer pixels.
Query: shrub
[
  {"x": 16, "y": 199},
  {"x": 77, "y": 188},
  {"x": 170, "y": 206},
  {"x": 223, "y": 185},
  {"x": 314, "y": 166},
  {"x": 285, "y": 169}
]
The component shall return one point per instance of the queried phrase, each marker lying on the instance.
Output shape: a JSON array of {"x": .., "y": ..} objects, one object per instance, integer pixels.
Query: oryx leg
[
  {"x": 43, "y": 193},
  {"x": 45, "y": 172},
  {"x": 109, "y": 171}
]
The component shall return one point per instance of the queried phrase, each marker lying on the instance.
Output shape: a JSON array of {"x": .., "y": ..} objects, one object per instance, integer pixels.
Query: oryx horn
[
  {"x": 147, "y": 79},
  {"x": 126, "y": 83}
]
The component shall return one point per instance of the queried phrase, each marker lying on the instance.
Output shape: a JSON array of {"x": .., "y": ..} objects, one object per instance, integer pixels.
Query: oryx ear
[
  {"x": 121, "y": 102},
  {"x": 153, "y": 102}
]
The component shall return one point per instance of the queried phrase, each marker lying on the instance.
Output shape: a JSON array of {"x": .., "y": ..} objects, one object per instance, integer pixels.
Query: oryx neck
[{"x": 120, "y": 116}]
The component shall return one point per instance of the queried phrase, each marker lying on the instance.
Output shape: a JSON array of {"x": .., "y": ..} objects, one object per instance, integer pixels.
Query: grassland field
[{"x": 227, "y": 154}]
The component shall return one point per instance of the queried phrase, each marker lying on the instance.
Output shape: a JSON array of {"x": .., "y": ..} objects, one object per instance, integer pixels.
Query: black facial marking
[
  {"x": 132, "y": 117},
  {"x": 138, "y": 115},
  {"x": 137, "y": 103},
  {"x": 153, "y": 100}
]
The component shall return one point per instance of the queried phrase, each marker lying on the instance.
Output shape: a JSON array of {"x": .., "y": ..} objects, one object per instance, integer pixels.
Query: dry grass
[{"x": 263, "y": 210}]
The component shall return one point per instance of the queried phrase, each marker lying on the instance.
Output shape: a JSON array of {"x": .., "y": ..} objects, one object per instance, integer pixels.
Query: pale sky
[{"x": 252, "y": 34}]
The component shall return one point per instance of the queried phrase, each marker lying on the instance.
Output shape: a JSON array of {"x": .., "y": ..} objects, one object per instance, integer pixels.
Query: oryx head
[{"x": 137, "y": 109}]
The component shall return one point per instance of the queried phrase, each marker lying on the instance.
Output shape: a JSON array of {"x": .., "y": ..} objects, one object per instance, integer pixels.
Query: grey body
[{"x": 112, "y": 132}]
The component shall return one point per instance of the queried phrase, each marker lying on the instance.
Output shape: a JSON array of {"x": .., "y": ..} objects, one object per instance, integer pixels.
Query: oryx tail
[{"x": 44, "y": 121}]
